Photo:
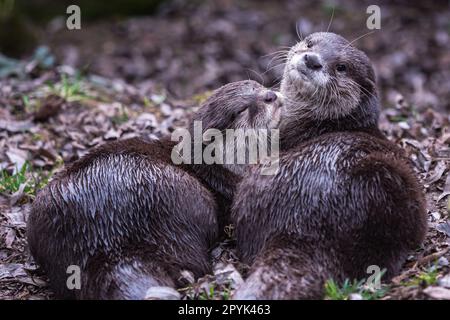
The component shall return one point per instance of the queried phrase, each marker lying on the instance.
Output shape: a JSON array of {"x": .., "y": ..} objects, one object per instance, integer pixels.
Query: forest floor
[{"x": 145, "y": 76}]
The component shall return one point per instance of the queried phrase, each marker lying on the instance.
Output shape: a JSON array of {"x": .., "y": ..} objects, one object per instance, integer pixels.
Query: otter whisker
[
  {"x": 273, "y": 67},
  {"x": 283, "y": 59},
  {"x": 276, "y": 52},
  {"x": 297, "y": 29},
  {"x": 360, "y": 37},
  {"x": 331, "y": 20},
  {"x": 365, "y": 91},
  {"x": 277, "y": 81},
  {"x": 259, "y": 75}
]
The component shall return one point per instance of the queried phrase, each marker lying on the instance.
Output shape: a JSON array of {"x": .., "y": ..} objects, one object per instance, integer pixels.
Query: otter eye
[
  {"x": 309, "y": 44},
  {"x": 241, "y": 110},
  {"x": 341, "y": 67}
]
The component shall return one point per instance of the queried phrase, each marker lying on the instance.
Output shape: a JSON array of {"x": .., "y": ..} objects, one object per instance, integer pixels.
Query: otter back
[
  {"x": 344, "y": 201},
  {"x": 122, "y": 208}
]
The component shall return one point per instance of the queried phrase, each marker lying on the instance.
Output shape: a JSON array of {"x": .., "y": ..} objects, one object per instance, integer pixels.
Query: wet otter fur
[
  {"x": 130, "y": 218},
  {"x": 344, "y": 198}
]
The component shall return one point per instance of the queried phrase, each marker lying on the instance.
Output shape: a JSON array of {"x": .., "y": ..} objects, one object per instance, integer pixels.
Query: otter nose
[
  {"x": 312, "y": 61},
  {"x": 270, "y": 97}
]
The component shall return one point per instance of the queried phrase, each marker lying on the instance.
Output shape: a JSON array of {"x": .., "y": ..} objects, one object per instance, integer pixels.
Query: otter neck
[
  {"x": 296, "y": 129},
  {"x": 215, "y": 177}
]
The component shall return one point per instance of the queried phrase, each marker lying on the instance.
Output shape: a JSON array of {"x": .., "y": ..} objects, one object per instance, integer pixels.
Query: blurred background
[{"x": 190, "y": 46}]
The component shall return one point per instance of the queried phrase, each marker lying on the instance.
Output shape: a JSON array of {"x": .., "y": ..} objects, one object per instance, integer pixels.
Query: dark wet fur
[
  {"x": 129, "y": 217},
  {"x": 344, "y": 198},
  {"x": 119, "y": 199},
  {"x": 339, "y": 217}
]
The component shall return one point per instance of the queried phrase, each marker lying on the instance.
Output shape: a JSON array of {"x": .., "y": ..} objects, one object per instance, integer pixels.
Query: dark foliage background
[{"x": 190, "y": 45}]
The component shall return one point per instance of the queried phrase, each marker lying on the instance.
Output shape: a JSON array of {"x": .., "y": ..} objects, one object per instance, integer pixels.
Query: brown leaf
[
  {"x": 15, "y": 126},
  {"x": 50, "y": 107},
  {"x": 17, "y": 157},
  {"x": 444, "y": 281},
  {"x": 437, "y": 293},
  {"x": 19, "y": 194},
  {"x": 432, "y": 257},
  {"x": 17, "y": 216},
  {"x": 10, "y": 236},
  {"x": 227, "y": 273},
  {"x": 12, "y": 270},
  {"x": 446, "y": 190},
  {"x": 437, "y": 173},
  {"x": 111, "y": 135},
  {"x": 162, "y": 293},
  {"x": 444, "y": 228}
]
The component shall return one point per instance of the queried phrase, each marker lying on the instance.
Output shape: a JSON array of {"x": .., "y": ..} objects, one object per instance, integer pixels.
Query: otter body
[
  {"x": 130, "y": 218},
  {"x": 339, "y": 204},
  {"x": 126, "y": 219},
  {"x": 344, "y": 197}
]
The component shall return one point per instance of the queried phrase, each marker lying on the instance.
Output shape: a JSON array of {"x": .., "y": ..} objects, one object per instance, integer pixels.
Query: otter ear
[
  {"x": 369, "y": 85},
  {"x": 372, "y": 106},
  {"x": 371, "y": 77},
  {"x": 371, "y": 72}
]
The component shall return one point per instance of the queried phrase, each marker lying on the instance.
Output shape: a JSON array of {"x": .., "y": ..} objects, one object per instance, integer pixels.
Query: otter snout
[
  {"x": 312, "y": 61},
  {"x": 274, "y": 98},
  {"x": 309, "y": 67},
  {"x": 273, "y": 101},
  {"x": 309, "y": 61},
  {"x": 270, "y": 97}
]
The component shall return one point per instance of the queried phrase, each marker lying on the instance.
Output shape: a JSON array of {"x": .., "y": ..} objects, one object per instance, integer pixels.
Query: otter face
[
  {"x": 241, "y": 105},
  {"x": 325, "y": 77},
  {"x": 251, "y": 111}
]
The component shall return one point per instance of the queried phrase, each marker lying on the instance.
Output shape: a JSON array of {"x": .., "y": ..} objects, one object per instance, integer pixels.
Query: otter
[
  {"x": 344, "y": 198},
  {"x": 129, "y": 218}
]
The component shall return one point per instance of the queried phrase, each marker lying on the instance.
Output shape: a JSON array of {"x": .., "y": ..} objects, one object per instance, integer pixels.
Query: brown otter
[
  {"x": 129, "y": 218},
  {"x": 344, "y": 198}
]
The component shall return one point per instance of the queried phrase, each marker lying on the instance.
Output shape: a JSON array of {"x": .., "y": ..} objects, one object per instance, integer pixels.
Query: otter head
[
  {"x": 246, "y": 107},
  {"x": 240, "y": 105},
  {"x": 327, "y": 79}
]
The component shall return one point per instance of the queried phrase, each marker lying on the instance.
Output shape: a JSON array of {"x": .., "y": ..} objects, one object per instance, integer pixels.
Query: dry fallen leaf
[
  {"x": 444, "y": 228},
  {"x": 446, "y": 190},
  {"x": 12, "y": 270},
  {"x": 437, "y": 173},
  {"x": 10, "y": 236},
  {"x": 17, "y": 157},
  {"x": 445, "y": 281},
  {"x": 50, "y": 107},
  {"x": 162, "y": 293},
  {"x": 437, "y": 293},
  {"x": 15, "y": 126},
  {"x": 226, "y": 274}
]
